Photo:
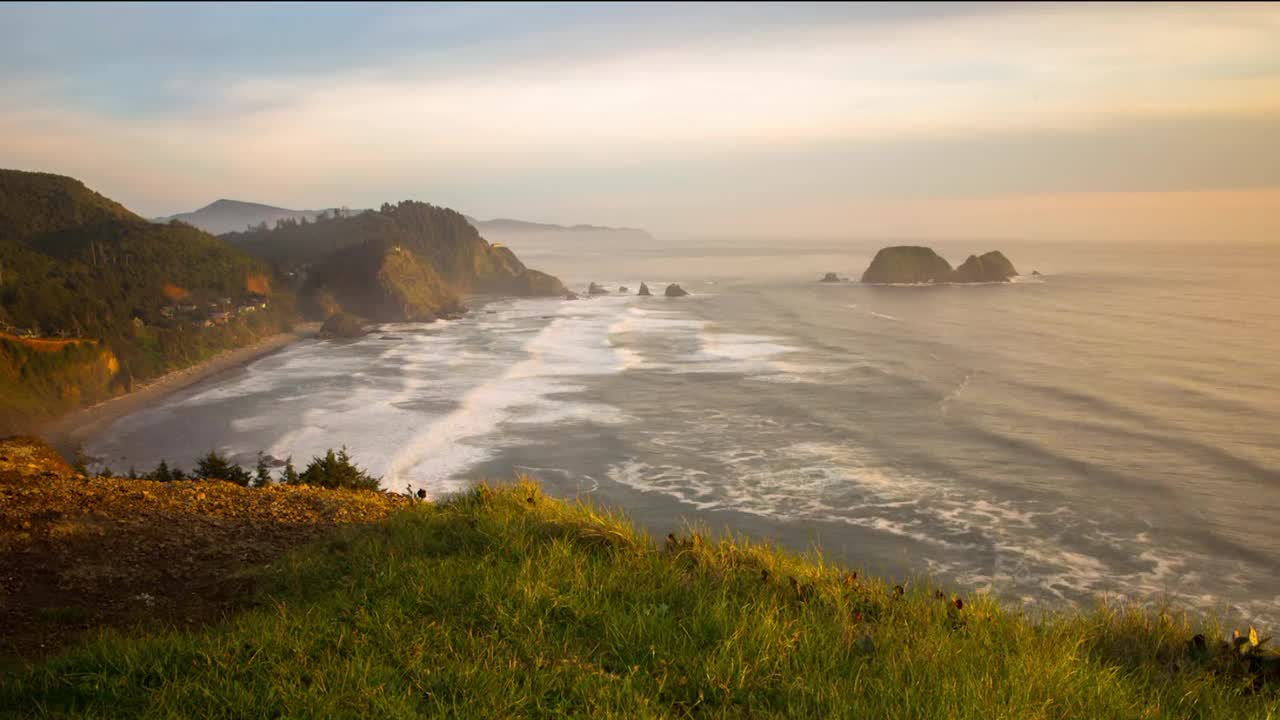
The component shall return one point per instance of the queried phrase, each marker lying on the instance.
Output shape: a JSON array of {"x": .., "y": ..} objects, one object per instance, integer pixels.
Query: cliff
[
  {"x": 383, "y": 283},
  {"x": 44, "y": 378}
]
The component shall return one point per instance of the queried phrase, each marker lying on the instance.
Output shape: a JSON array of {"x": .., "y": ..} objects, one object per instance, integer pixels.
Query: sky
[{"x": 1107, "y": 122}]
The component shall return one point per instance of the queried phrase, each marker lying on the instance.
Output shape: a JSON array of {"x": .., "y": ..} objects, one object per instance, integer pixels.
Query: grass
[{"x": 503, "y": 603}]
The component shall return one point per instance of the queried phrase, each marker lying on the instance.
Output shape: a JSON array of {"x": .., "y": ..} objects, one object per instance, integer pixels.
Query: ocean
[{"x": 1110, "y": 428}]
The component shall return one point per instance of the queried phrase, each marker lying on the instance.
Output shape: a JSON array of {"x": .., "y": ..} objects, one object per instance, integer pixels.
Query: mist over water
[{"x": 1108, "y": 428}]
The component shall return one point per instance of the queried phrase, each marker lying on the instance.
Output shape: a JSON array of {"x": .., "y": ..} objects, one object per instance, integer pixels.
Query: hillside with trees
[
  {"x": 409, "y": 261},
  {"x": 127, "y": 299}
]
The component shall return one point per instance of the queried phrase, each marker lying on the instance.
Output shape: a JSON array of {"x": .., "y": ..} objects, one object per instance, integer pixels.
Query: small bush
[
  {"x": 335, "y": 470},
  {"x": 216, "y": 467}
]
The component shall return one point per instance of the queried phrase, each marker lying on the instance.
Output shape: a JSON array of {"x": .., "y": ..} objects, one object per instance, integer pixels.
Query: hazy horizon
[{"x": 1057, "y": 122}]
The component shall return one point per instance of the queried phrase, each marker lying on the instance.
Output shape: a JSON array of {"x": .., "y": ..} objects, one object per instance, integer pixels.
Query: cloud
[{"x": 499, "y": 108}]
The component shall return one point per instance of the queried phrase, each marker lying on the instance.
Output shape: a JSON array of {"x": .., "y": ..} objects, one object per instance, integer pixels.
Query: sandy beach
[{"x": 68, "y": 431}]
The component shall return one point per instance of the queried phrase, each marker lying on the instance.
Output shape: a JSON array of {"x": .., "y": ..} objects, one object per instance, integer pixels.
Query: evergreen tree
[
  {"x": 162, "y": 473},
  {"x": 290, "y": 475},
  {"x": 335, "y": 470},
  {"x": 81, "y": 462},
  {"x": 215, "y": 467},
  {"x": 262, "y": 473}
]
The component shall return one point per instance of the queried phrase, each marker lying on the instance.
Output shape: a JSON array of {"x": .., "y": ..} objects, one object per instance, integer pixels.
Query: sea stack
[
  {"x": 595, "y": 289},
  {"x": 644, "y": 290},
  {"x": 830, "y": 277},
  {"x": 674, "y": 290},
  {"x": 989, "y": 267},
  {"x": 907, "y": 264},
  {"x": 914, "y": 265}
]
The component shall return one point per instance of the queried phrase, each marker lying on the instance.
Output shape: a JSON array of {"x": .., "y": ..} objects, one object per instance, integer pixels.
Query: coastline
[{"x": 66, "y": 432}]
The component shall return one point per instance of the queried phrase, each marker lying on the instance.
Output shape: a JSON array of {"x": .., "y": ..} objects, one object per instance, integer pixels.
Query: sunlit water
[{"x": 1108, "y": 428}]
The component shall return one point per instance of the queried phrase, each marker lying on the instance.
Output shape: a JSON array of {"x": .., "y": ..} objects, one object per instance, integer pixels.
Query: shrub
[
  {"x": 335, "y": 470},
  {"x": 216, "y": 467}
]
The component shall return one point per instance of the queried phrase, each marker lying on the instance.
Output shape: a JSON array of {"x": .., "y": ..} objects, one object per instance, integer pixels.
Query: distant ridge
[
  {"x": 226, "y": 216},
  {"x": 525, "y": 226}
]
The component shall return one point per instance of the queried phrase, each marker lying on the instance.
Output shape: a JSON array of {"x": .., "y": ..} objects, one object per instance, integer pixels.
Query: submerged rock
[
  {"x": 907, "y": 264},
  {"x": 1035, "y": 273},
  {"x": 571, "y": 295},
  {"x": 830, "y": 277},
  {"x": 644, "y": 290},
  {"x": 623, "y": 289},
  {"x": 595, "y": 289},
  {"x": 674, "y": 290}
]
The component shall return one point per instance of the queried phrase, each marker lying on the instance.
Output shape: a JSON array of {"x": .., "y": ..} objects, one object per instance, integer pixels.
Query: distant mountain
[
  {"x": 224, "y": 216},
  {"x": 508, "y": 226},
  {"x": 228, "y": 216}
]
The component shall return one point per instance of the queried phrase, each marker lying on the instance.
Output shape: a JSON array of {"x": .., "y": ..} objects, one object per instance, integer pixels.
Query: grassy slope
[{"x": 503, "y": 603}]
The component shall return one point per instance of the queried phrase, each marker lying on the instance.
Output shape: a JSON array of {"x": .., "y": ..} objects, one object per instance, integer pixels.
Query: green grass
[{"x": 503, "y": 603}]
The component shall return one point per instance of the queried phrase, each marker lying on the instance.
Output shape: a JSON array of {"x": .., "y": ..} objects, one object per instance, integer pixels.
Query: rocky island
[{"x": 915, "y": 265}]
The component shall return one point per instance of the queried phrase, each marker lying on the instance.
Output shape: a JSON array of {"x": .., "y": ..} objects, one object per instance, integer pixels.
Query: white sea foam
[{"x": 573, "y": 344}]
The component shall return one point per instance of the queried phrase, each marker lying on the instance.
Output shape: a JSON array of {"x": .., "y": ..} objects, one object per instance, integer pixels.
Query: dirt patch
[{"x": 78, "y": 554}]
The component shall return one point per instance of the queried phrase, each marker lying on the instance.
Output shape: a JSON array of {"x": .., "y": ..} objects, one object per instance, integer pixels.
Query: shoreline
[{"x": 68, "y": 431}]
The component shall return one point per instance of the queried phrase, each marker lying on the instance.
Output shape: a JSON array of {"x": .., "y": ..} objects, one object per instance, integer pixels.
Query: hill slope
[
  {"x": 408, "y": 261},
  {"x": 504, "y": 603},
  {"x": 74, "y": 264},
  {"x": 34, "y": 205}
]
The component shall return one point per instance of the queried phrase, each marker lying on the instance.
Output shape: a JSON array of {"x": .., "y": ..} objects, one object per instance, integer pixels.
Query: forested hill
[
  {"x": 35, "y": 206},
  {"x": 127, "y": 299},
  {"x": 407, "y": 261}
]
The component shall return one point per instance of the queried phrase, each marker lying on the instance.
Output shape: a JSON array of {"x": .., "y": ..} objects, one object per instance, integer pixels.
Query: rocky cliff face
[
  {"x": 907, "y": 264},
  {"x": 43, "y": 378},
  {"x": 384, "y": 284}
]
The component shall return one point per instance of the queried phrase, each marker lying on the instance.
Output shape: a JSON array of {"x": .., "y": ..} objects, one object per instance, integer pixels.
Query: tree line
[{"x": 333, "y": 470}]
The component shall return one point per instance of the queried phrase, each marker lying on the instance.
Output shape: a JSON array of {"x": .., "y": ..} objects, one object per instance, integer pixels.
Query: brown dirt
[
  {"x": 78, "y": 554},
  {"x": 46, "y": 344}
]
